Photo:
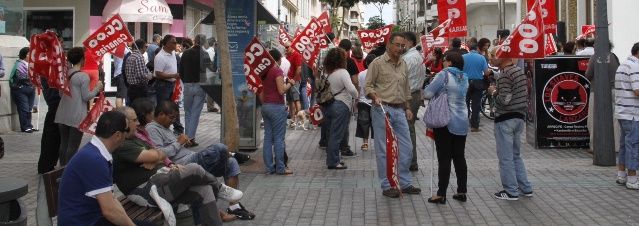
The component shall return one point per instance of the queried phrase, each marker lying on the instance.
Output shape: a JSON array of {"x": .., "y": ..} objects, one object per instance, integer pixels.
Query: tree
[
  {"x": 375, "y": 22},
  {"x": 345, "y": 4},
  {"x": 231, "y": 125},
  {"x": 379, "y": 4}
]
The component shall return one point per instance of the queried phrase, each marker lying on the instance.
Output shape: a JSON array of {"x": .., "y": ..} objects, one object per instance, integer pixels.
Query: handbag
[{"x": 437, "y": 114}]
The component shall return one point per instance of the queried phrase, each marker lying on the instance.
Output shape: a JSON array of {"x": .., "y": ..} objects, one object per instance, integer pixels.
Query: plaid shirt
[{"x": 136, "y": 71}]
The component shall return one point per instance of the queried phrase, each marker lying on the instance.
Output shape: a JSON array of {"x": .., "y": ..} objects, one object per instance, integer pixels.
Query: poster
[
  {"x": 3, "y": 21},
  {"x": 561, "y": 94}
]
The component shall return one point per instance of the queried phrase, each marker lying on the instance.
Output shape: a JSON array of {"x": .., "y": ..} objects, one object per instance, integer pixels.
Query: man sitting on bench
[
  {"x": 138, "y": 166},
  {"x": 173, "y": 147},
  {"x": 85, "y": 195}
]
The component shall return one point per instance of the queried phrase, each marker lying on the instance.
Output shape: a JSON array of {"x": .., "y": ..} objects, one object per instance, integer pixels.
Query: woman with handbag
[{"x": 447, "y": 115}]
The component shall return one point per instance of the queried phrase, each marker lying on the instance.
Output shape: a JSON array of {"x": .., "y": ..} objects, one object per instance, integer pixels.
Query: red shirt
[
  {"x": 360, "y": 64},
  {"x": 269, "y": 89},
  {"x": 433, "y": 67},
  {"x": 295, "y": 59}
]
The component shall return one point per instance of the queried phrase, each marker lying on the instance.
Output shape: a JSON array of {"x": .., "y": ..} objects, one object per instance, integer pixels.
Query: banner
[
  {"x": 306, "y": 43},
  {"x": 109, "y": 38},
  {"x": 456, "y": 11},
  {"x": 298, "y": 31},
  {"x": 177, "y": 91},
  {"x": 257, "y": 61},
  {"x": 392, "y": 156},
  {"x": 47, "y": 59},
  {"x": 370, "y": 38},
  {"x": 316, "y": 114},
  {"x": 284, "y": 37},
  {"x": 550, "y": 46},
  {"x": 548, "y": 14},
  {"x": 586, "y": 31},
  {"x": 527, "y": 40},
  {"x": 324, "y": 20},
  {"x": 435, "y": 39},
  {"x": 100, "y": 106}
]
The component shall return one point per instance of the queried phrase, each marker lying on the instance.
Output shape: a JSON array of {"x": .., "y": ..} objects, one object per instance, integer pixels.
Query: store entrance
[{"x": 60, "y": 21}]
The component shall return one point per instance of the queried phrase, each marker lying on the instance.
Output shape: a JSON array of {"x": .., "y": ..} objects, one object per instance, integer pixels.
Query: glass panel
[
  {"x": 60, "y": 22},
  {"x": 144, "y": 31},
  {"x": 11, "y": 22},
  {"x": 131, "y": 27},
  {"x": 157, "y": 29}
]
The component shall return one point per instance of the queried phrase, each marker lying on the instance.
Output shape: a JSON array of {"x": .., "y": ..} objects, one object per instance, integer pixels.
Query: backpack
[{"x": 324, "y": 94}]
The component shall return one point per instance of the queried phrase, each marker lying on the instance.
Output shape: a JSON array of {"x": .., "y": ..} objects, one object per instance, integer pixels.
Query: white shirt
[
  {"x": 362, "y": 84},
  {"x": 285, "y": 66},
  {"x": 588, "y": 51},
  {"x": 626, "y": 82},
  {"x": 416, "y": 69},
  {"x": 165, "y": 62}
]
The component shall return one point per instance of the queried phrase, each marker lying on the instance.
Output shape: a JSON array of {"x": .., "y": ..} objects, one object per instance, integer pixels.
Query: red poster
[
  {"x": 109, "y": 37},
  {"x": 436, "y": 38},
  {"x": 320, "y": 36},
  {"x": 392, "y": 156},
  {"x": 306, "y": 43},
  {"x": 257, "y": 61},
  {"x": 456, "y": 11},
  {"x": 316, "y": 114},
  {"x": 527, "y": 40},
  {"x": 177, "y": 91},
  {"x": 550, "y": 46},
  {"x": 284, "y": 37},
  {"x": 370, "y": 38},
  {"x": 586, "y": 31},
  {"x": 548, "y": 13},
  {"x": 47, "y": 59},
  {"x": 100, "y": 106},
  {"x": 324, "y": 20},
  {"x": 298, "y": 31}
]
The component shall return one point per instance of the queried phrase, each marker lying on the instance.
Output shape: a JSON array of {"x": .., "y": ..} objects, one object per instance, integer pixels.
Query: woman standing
[
  {"x": 274, "y": 114},
  {"x": 435, "y": 60},
  {"x": 73, "y": 109},
  {"x": 22, "y": 91},
  {"x": 364, "y": 127},
  {"x": 337, "y": 113},
  {"x": 450, "y": 140}
]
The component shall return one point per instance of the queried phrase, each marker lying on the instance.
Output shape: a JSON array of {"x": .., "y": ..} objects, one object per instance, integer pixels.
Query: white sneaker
[
  {"x": 230, "y": 194},
  {"x": 621, "y": 180},
  {"x": 633, "y": 186}
]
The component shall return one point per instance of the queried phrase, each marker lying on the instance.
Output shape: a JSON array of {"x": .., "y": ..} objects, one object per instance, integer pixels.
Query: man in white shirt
[
  {"x": 165, "y": 70},
  {"x": 416, "y": 76},
  {"x": 589, "y": 49}
]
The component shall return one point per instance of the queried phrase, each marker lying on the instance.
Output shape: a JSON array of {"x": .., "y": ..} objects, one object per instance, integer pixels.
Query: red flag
[
  {"x": 550, "y": 46},
  {"x": 392, "y": 156},
  {"x": 100, "y": 106},
  {"x": 316, "y": 114},
  {"x": 527, "y": 40},
  {"x": 111, "y": 37},
  {"x": 257, "y": 61},
  {"x": 177, "y": 91},
  {"x": 548, "y": 13},
  {"x": 306, "y": 43},
  {"x": 298, "y": 31},
  {"x": 436, "y": 38},
  {"x": 284, "y": 37},
  {"x": 91, "y": 62},
  {"x": 325, "y": 22},
  {"x": 47, "y": 59},
  {"x": 442, "y": 29},
  {"x": 370, "y": 38},
  {"x": 456, "y": 11},
  {"x": 586, "y": 31}
]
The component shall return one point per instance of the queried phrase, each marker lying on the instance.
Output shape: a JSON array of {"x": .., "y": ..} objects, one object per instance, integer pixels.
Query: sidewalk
[{"x": 569, "y": 189}]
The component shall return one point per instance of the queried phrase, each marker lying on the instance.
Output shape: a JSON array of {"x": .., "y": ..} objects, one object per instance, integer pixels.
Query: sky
[{"x": 371, "y": 11}]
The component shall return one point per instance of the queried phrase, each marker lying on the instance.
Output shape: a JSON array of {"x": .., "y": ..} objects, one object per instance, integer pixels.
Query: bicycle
[{"x": 488, "y": 106}]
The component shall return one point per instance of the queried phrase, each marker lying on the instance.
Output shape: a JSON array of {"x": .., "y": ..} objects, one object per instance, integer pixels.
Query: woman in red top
[
  {"x": 435, "y": 62},
  {"x": 358, "y": 57},
  {"x": 274, "y": 115}
]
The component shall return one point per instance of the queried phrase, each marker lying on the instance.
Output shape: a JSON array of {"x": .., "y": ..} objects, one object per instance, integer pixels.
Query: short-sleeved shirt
[
  {"x": 165, "y": 62},
  {"x": 388, "y": 80},
  {"x": 271, "y": 94},
  {"x": 296, "y": 61},
  {"x": 626, "y": 82},
  {"x": 127, "y": 173},
  {"x": 88, "y": 174},
  {"x": 475, "y": 65}
]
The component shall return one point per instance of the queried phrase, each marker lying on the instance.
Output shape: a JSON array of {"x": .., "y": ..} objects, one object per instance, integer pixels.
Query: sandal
[
  {"x": 364, "y": 147},
  {"x": 227, "y": 217},
  {"x": 286, "y": 172}
]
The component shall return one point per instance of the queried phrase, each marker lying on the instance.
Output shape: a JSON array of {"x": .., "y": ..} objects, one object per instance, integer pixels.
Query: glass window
[
  {"x": 11, "y": 18},
  {"x": 59, "y": 21},
  {"x": 144, "y": 31}
]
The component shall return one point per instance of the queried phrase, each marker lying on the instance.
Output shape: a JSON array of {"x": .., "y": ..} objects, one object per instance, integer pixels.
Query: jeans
[
  {"x": 629, "y": 144},
  {"x": 214, "y": 159},
  {"x": 70, "y": 138},
  {"x": 415, "y": 102},
  {"x": 400, "y": 126},
  {"x": 163, "y": 92},
  {"x": 450, "y": 147},
  {"x": 23, "y": 97},
  {"x": 303, "y": 97},
  {"x": 511, "y": 167},
  {"x": 135, "y": 92},
  {"x": 473, "y": 100},
  {"x": 50, "y": 142},
  {"x": 337, "y": 117},
  {"x": 194, "y": 98},
  {"x": 274, "y": 133},
  {"x": 324, "y": 133}
]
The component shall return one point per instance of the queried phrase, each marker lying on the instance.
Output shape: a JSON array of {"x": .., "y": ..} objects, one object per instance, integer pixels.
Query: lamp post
[{"x": 501, "y": 5}]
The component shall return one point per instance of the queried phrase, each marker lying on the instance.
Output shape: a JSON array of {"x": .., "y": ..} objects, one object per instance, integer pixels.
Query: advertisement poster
[
  {"x": 240, "y": 21},
  {"x": 3, "y": 21},
  {"x": 561, "y": 94}
]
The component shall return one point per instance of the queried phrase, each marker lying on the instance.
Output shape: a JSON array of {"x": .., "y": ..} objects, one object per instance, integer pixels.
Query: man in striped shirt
[
  {"x": 627, "y": 112},
  {"x": 511, "y": 98}
]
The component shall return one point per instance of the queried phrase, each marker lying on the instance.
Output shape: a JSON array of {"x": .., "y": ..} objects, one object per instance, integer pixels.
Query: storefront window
[
  {"x": 11, "y": 17},
  {"x": 59, "y": 21}
]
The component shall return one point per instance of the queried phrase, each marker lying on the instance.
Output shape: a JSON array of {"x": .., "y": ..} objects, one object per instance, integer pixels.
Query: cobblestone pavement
[{"x": 569, "y": 189}]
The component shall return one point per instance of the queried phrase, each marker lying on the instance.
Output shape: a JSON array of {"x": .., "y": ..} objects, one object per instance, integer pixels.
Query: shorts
[
  {"x": 293, "y": 94},
  {"x": 122, "y": 89}
]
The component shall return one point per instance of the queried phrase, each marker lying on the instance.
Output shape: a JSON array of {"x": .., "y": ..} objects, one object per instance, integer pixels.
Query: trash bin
[{"x": 12, "y": 210}]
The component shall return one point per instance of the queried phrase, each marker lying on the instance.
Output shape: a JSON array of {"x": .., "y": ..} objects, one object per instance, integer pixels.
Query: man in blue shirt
[
  {"x": 86, "y": 191},
  {"x": 475, "y": 67}
]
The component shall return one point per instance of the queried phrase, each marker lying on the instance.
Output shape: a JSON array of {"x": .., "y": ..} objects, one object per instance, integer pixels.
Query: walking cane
[
  {"x": 432, "y": 161},
  {"x": 38, "y": 113}
]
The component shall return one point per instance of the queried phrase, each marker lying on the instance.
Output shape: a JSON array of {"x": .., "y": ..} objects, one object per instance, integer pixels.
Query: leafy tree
[
  {"x": 379, "y": 4},
  {"x": 375, "y": 22},
  {"x": 345, "y": 4}
]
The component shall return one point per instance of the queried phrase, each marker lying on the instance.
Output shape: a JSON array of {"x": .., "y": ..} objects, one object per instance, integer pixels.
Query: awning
[
  {"x": 151, "y": 11},
  {"x": 262, "y": 15}
]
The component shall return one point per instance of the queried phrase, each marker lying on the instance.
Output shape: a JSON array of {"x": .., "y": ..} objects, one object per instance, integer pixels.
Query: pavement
[{"x": 568, "y": 188}]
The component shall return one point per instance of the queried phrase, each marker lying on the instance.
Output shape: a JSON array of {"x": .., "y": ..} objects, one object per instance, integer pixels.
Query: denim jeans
[
  {"x": 214, "y": 159},
  {"x": 274, "y": 133},
  {"x": 163, "y": 92},
  {"x": 304, "y": 102},
  {"x": 194, "y": 97},
  {"x": 511, "y": 167},
  {"x": 629, "y": 144},
  {"x": 23, "y": 97},
  {"x": 337, "y": 117},
  {"x": 400, "y": 126}
]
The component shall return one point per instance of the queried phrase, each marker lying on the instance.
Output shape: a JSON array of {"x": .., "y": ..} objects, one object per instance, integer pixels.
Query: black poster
[{"x": 561, "y": 94}]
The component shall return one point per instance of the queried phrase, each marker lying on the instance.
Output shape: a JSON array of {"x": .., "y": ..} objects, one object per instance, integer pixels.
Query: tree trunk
[
  {"x": 341, "y": 25},
  {"x": 231, "y": 125}
]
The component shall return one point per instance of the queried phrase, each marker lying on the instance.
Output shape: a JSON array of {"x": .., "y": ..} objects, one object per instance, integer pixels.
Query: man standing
[
  {"x": 195, "y": 61},
  {"x": 137, "y": 75},
  {"x": 211, "y": 73},
  {"x": 293, "y": 94},
  {"x": 626, "y": 105},
  {"x": 456, "y": 47},
  {"x": 416, "y": 76},
  {"x": 166, "y": 67},
  {"x": 86, "y": 190},
  {"x": 387, "y": 84},
  {"x": 475, "y": 66},
  {"x": 153, "y": 46},
  {"x": 122, "y": 89},
  {"x": 511, "y": 103}
]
